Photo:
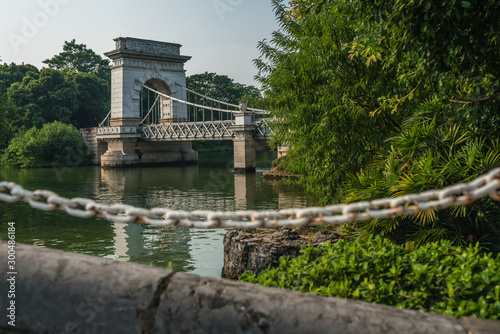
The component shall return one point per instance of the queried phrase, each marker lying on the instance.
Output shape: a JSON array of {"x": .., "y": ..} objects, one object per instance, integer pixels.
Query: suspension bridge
[
  {"x": 154, "y": 117},
  {"x": 209, "y": 119}
]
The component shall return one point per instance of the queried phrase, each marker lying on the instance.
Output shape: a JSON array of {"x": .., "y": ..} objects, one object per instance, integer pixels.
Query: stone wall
[
  {"x": 97, "y": 147},
  {"x": 59, "y": 292}
]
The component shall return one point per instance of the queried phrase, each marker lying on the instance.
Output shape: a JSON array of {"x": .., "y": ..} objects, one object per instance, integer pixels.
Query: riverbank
[{"x": 279, "y": 174}]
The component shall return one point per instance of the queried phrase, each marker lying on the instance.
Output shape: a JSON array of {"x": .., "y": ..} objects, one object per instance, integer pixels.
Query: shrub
[
  {"x": 436, "y": 277},
  {"x": 54, "y": 144}
]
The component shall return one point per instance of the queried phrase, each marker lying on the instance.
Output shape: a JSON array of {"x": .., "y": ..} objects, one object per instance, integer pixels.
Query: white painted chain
[{"x": 459, "y": 194}]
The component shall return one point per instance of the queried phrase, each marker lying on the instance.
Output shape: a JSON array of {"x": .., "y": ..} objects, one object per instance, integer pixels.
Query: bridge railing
[{"x": 216, "y": 130}]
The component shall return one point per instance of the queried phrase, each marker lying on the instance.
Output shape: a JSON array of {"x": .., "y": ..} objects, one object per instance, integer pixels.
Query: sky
[{"x": 220, "y": 35}]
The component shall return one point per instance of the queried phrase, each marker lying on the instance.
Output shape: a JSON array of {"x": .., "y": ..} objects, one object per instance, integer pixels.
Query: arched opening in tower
[{"x": 156, "y": 108}]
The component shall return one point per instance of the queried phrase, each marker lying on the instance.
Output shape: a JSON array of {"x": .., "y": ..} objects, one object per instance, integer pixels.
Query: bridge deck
[{"x": 189, "y": 131}]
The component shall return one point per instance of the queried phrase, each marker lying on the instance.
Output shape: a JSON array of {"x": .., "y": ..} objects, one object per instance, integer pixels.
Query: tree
[
  {"x": 220, "y": 87},
  {"x": 378, "y": 99},
  {"x": 12, "y": 73},
  {"x": 5, "y": 131},
  {"x": 92, "y": 76},
  {"x": 93, "y": 95},
  {"x": 44, "y": 97},
  {"x": 322, "y": 98},
  {"x": 54, "y": 144},
  {"x": 9, "y": 117},
  {"x": 81, "y": 59}
]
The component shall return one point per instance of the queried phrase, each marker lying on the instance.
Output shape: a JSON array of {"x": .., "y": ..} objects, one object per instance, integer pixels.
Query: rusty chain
[{"x": 459, "y": 194}]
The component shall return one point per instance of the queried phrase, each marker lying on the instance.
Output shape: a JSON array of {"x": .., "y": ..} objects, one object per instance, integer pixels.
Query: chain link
[{"x": 386, "y": 208}]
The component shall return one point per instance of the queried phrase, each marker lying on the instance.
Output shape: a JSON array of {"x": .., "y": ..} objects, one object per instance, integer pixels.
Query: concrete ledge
[
  {"x": 194, "y": 304},
  {"x": 59, "y": 292}
]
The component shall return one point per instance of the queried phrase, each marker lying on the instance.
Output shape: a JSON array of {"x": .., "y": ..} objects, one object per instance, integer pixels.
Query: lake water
[{"x": 210, "y": 185}]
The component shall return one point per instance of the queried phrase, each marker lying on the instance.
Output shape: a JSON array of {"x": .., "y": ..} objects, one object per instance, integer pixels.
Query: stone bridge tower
[{"x": 138, "y": 62}]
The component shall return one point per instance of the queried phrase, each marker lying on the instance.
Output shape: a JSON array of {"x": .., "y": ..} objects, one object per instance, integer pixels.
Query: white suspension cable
[
  {"x": 219, "y": 101},
  {"x": 150, "y": 109},
  {"x": 188, "y": 103},
  {"x": 104, "y": 120}
]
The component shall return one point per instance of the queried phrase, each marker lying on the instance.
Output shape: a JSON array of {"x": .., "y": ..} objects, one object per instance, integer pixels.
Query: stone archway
[
  {"x": 156, "y": 109},
  {"x": 136, "y": 62}
]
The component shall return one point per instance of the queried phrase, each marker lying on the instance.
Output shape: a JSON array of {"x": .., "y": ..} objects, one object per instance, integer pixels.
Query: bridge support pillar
[
  {"x": 126, "y": 149},
  {"x": 120, "y": 153},
  {"x": 244, "y": 145}
]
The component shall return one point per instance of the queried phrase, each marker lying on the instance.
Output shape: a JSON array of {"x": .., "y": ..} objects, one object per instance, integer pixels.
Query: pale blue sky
[{"x": 220, "y": 35}]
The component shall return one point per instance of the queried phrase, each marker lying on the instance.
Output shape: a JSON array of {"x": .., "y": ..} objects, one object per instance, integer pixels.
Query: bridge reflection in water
[
  {"x": 188, "y": 188},
  {"x": 212, "y": 184}
]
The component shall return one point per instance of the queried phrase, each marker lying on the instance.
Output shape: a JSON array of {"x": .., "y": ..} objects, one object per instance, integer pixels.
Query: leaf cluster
[
  {"x": 220, "y": 87},
  {"x": 436, "y": 277},
  {"x": 53, "y": 145},
  {"x": 81, "y": 59},
  {"x": 385, "y": 98},
  {"x": 434, "y": 149},
  {"x": 75, "y": 89}
]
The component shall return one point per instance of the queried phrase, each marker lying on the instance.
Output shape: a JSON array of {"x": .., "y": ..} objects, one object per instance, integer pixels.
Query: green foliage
[
  {"x": 79, "y": 58},
  {"x": 53, "y": 145},
  {"x": 12, "y": 73},
  {"x": 44, "y": 97},
  {"x": 436, "y": 277},
  {"x": 75, "y": 89},
  {"x": 220, "y": 87},
  {"x": 379, "y": 99},
  {"x": 94, "y": 98},
  {"x": 323, "y": 99},
  {"x": 434, "y": 150},
  {"x": 5, "y": 129}
]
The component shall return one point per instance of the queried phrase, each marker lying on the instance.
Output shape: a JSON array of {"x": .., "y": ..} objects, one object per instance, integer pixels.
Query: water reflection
[{"x": 212, "y": 185}]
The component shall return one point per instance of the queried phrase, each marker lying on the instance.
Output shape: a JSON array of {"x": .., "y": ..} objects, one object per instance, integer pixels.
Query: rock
[{"x": 260, "y": 249}]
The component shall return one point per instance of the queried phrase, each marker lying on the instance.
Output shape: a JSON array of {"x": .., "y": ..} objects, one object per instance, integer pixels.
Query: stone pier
[{"x": 244, "y": 144}]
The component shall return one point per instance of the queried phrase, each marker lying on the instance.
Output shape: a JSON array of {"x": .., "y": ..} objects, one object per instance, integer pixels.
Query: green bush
[
  {"x": 436, "y": 277},
  {"x": 55, "y": 144}
]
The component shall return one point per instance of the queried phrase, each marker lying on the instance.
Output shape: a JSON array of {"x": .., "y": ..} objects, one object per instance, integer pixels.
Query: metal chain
[{"x": 459, "y": 194}]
